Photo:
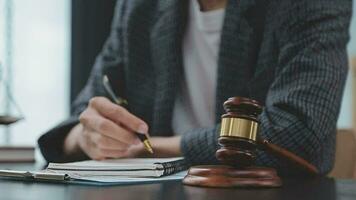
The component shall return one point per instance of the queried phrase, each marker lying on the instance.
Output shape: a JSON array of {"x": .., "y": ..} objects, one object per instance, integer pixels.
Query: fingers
[
  {"x": 102, "y": 154},
  {"x": 107, "y": 143},
  {"x": 118, "y": 114},
  {"x": 99, "y": 147},
  {"x": 108, "y": 153},
  {"x": 102, "y": 147},
  {"x": 92, "y": 120}
]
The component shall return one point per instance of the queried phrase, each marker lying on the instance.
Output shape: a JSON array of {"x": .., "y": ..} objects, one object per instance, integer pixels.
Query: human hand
[{"x": 107, "y": 130}]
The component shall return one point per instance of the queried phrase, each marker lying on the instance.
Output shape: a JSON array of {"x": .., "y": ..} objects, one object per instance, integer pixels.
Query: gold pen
[{"x": 123, "y": 102}]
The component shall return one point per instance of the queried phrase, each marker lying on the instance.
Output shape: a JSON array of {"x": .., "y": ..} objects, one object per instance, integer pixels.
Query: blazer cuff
[
  {"x": 51, "y": 143},
  {"x": 199, "y": 146}
]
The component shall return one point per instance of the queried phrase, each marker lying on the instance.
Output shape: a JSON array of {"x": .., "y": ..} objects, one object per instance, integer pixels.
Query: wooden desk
[{"x": 320, "y": 188}]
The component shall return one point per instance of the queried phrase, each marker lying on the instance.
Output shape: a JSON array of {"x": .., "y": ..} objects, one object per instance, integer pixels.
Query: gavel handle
[{"x": 285, "y": 154}]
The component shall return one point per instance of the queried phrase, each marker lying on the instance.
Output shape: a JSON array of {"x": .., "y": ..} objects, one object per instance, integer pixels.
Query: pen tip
[
  {"x": 151, "y": 151},
  {"x": 148, "y": 146}
]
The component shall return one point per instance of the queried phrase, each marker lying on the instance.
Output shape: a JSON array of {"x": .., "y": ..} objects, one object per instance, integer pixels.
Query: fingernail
[{"x": 142, "y": 129}]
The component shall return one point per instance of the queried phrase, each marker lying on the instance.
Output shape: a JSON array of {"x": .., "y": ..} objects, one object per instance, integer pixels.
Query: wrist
[
  {"x": 166, "y": 146},
  {"x": 71, "y": 147}
]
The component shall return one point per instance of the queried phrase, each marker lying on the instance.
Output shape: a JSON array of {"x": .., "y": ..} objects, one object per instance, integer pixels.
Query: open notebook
[{"x": 107, "y": 172}]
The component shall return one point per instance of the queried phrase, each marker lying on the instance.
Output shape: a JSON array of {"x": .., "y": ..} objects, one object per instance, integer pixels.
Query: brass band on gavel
[{"x": 239, "y": 127}]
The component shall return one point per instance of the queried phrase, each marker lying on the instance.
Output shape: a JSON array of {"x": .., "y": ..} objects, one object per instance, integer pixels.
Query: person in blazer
[{"x": 177, "y": 61}]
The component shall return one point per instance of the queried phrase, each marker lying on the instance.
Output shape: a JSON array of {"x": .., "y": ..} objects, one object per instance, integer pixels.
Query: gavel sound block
[{"x": 239, "y": 143}]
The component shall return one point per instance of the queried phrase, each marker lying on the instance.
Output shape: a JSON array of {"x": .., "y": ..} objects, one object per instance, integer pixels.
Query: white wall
[
  {"x": 345, "y": 118},
  {"x": 41, "y": 59}
]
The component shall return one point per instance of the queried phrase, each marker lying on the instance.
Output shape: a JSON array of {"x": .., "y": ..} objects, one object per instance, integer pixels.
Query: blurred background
[
  {"x": 37, "y": 40},
  {"x": 47, "y": 44}
]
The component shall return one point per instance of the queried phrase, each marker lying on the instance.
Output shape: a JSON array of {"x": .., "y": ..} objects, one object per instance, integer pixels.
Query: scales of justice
[
  {"x": 239, "y": 142},
  {"x": 8, "y": 101}
]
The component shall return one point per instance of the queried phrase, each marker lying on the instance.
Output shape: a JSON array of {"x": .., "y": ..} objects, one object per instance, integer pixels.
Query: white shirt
[{"x": 195, "y": 104}]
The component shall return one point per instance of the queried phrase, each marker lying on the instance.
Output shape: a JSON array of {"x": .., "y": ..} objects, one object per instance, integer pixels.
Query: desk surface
[{"x": 315, "y": 189}]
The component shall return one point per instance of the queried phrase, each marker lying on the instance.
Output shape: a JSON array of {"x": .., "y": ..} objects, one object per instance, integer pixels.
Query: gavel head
[{"x": 238, "y": 134}]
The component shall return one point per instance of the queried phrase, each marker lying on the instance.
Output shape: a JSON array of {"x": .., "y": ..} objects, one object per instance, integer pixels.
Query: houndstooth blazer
[{"x": 289, "y": 55}]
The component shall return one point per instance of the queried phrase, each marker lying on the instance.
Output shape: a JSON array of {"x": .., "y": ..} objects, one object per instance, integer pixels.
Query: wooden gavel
[
  {"x": 239, "y": 142},
  {"x": 239, "y": 138}
]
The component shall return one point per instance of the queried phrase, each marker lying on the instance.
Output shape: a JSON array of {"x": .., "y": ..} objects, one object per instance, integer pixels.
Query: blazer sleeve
[
  {"x": 109, "y": 60},
  {"x": 303, "y": 102}
]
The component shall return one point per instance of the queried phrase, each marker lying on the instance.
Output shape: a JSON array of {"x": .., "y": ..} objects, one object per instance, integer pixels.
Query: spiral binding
[{"x": 173, "y": 167}]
